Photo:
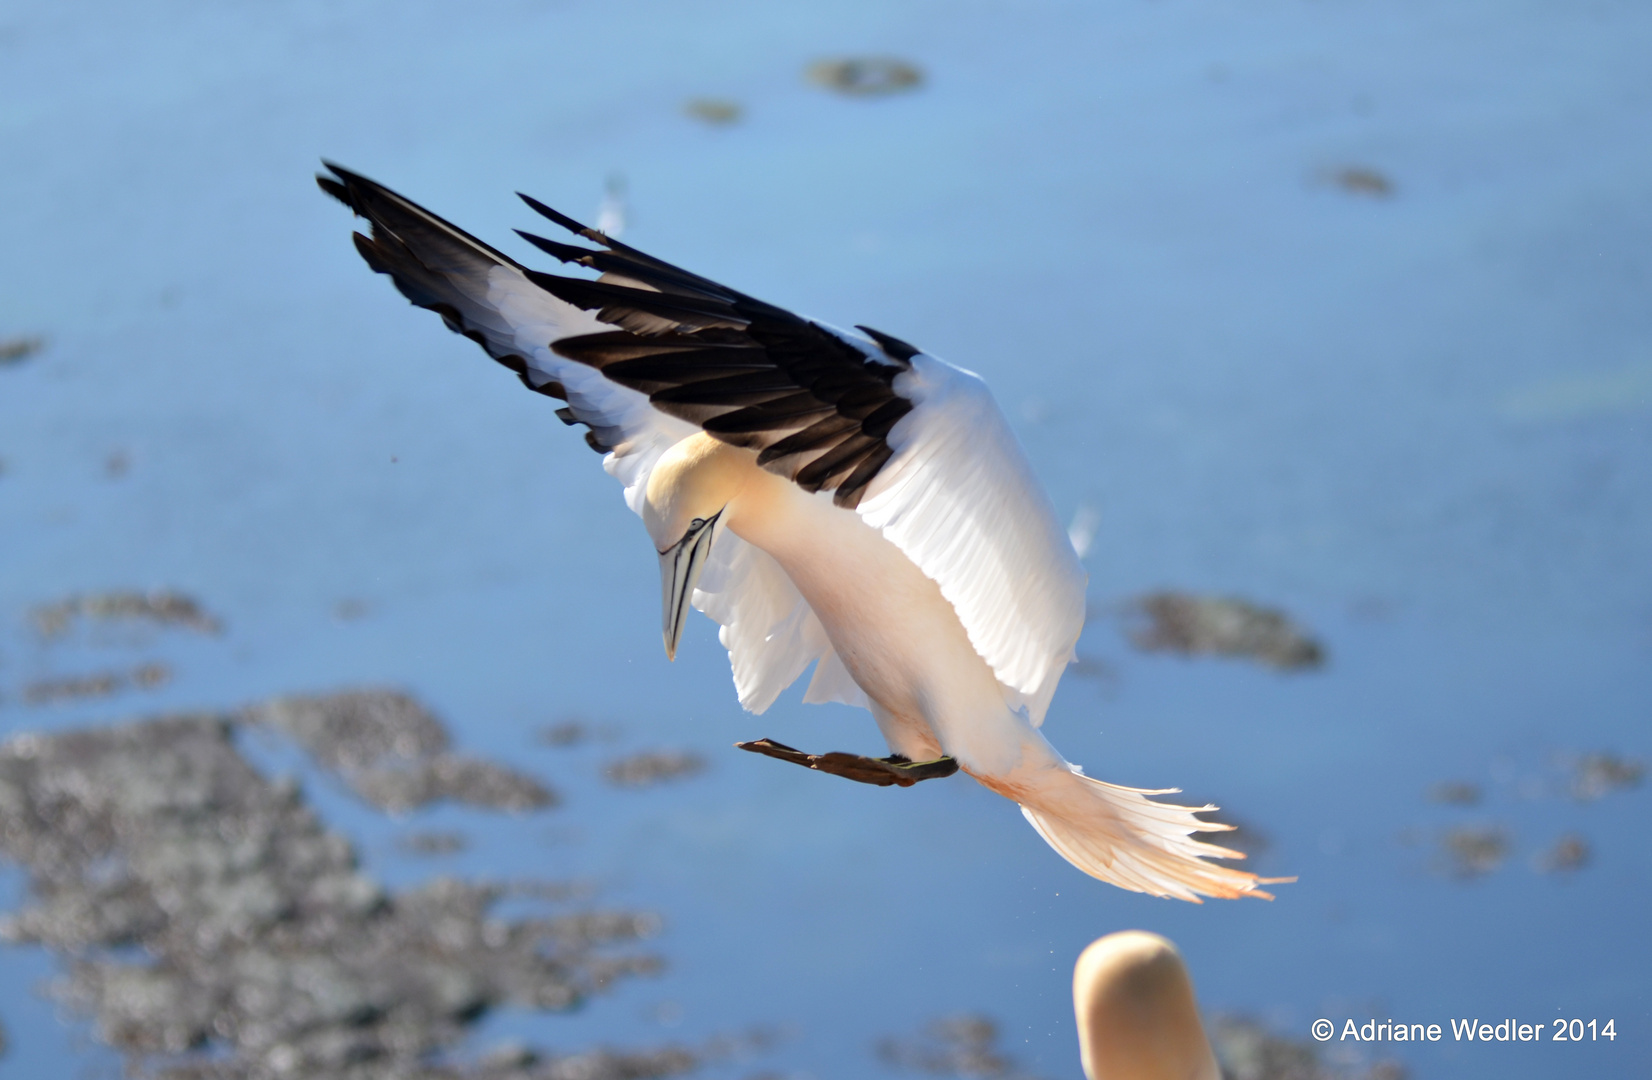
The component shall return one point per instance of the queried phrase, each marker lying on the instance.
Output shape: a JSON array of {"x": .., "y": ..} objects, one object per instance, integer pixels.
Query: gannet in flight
[{"x": 833, "y": 498}]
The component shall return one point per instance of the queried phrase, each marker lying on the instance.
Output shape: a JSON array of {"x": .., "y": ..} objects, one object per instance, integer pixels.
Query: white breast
[{"x": 897, "y": 636}]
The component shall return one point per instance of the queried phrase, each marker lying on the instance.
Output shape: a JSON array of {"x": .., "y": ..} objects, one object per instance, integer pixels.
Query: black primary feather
[{"x": 817, "y": 407}]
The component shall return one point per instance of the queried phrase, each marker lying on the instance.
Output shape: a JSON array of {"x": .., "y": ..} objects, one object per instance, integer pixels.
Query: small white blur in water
[
  {"x": 1082, "y": 531},
  {"x": 611, "y": 214}
]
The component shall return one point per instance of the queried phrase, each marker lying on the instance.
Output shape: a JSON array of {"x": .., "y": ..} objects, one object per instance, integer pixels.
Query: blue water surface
[{"x": 1342, "y": 306}]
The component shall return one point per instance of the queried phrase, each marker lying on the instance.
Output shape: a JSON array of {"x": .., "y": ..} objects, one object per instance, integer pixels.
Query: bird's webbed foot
[{"x": 894, "y": 770}]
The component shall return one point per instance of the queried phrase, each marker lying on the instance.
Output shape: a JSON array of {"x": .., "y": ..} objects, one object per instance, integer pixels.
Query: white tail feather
[{"x": 1124, "y": 838}]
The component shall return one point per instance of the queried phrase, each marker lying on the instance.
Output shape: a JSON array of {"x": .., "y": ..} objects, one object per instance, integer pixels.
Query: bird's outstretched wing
[
  {"x": 816, "y": 404},
  {"x": 487, "y": 296},
  {"x": 647, "y": 353},
  {"x": 771, "y": 634},
  {"x": 960, "y": 499}
]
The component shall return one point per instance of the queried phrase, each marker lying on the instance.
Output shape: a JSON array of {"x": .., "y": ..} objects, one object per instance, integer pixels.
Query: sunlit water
[{"x": 1419, "y": 419}]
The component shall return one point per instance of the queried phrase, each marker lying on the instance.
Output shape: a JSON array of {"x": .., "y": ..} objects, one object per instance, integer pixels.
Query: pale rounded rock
[{"x": 1138, "y": 1018}]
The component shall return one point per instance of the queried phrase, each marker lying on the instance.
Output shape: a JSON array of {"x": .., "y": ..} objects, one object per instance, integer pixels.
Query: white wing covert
[{"x": 960, "y": 500}]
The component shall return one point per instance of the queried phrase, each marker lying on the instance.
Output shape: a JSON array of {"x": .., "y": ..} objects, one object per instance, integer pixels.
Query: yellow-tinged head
[
  {"x": 692, "y": 481},
  {"x": 683, "y": 506}
]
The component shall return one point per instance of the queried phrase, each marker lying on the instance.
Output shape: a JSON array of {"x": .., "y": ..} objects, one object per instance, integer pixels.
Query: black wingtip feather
[
  {"x": 893, "y": 347},
  {"x": 370, "y": 252},
  {"x": 561, "y": 219},
  {"x": 339, "y": 185},
  {"x": 632, "y": 254},
  {"x": 348, "y": 177},
  {"x": 701, "y": 351},
  {"x": 568, "y": 253},
  {"x": 335, "y": 189}
]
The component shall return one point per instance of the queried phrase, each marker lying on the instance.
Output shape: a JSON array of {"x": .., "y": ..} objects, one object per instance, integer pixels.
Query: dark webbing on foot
[{"x": 884, "y": 772}]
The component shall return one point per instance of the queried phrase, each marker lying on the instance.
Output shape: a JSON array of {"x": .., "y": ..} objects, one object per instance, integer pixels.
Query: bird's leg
[{"x": 884, "y": 772}]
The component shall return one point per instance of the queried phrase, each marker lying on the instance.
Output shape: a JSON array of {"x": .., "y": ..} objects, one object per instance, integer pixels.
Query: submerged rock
[
  {"x": 964, "y": 1045},
  {"x": 96, "y": 685},
  {"x": 1569, "y": 854},
  {"x": 265, "y": 952},
  {"x": 1247, "y": 1050},
  {"x": 393, "y": 752},
  {"x": 570, "y": 733},
  {"x": 718, "y": 112},
  {"x": 15, "y": 350},
  {"x": 1598, "y": 775},
  {"x": 565, "y": 733},
  {"x": 1455, "y": 793},
  {"x": 1363, "y": 180},
  {"x": 161, "y": 606},
  {"x": 1474, "y": 851},
  {"x": 653, "y": 767},
  {"x": 1223, "y": 626},
  {"x": 865, "y": 76},
  {"x": 434, "y": 842}
]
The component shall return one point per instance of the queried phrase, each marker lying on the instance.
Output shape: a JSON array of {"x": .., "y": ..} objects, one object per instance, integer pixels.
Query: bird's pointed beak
[{"x": 680, "y": 567}]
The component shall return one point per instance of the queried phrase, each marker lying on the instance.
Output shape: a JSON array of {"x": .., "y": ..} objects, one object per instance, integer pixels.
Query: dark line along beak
[{"x": 680, "y": 567}]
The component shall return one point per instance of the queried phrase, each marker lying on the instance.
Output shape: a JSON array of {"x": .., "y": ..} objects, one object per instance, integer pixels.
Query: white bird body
[
  {"x": 896, "y": 635},
  {"x": 831, "y": 499}
]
